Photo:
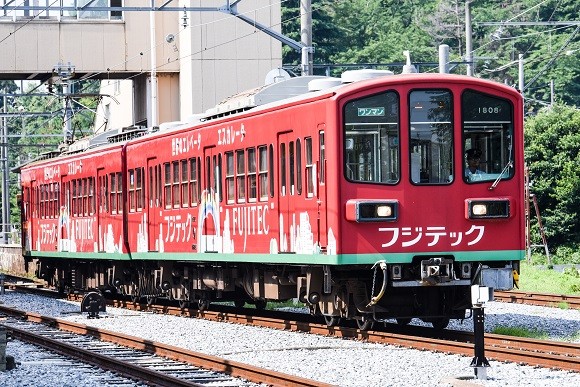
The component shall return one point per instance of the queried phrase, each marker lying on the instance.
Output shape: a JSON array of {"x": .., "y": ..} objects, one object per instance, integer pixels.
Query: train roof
[{"x": 289, "y": 91}]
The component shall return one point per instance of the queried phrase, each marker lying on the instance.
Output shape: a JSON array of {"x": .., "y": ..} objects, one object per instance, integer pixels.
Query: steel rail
[
  {"x": 120, "y": 367},
  {"x": 540, "y": 299},
  {"x": 232, "y": 368}
]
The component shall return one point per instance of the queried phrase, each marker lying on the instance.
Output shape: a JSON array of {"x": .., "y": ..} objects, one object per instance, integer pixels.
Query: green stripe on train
[{"x": 291, "y": 258}]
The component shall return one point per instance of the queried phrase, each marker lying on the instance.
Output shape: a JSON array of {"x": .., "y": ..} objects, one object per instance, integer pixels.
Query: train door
[
  {"x": 320, "y": 182},
  {"x": 28, "y": 214},
  {"x": 101, "y": 205},
  {"x": 64, "y": 221},
  {"x": 153, "y": 201},
  {"x": 286, "y": 194},
  {"x": 209, "y": 233}
]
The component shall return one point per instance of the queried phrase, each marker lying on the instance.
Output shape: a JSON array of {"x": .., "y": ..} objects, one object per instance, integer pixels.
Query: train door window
[
  {"x": 487, "y": 137},
  {"x": 131, "y": 190},
  {"x": 92, "y": 204},
  {"x": 194, "y": 180},
  {"x": 159, "y": 183},
  {"x": 175, "y": 186},
  {"x": 113, "y": 194},
  {"x": 74, "y": 194},
  {"x": 139, "y": 191},
  {"x": 371, "y": 139},
  {"x": 217, "y": 176},
  {"x": 263, "y": 172},
  {"x": 431, "y": 136},
  {"x": 167, "y": 184},
  {"x": 230, "y": 188},
  {"x": 104, "y": 194},
  {"x": 309, "y": 167},
  {"x": 252, "y": 175},
  {"x": 299, "y": 166},
  {"x": 322, "y": 158},
  {"x": 240, "y": 176},
  {"x": 184, "y": 183},
  {"x": 151, "y": 185},
  {"x": 283, "y": 169},
  {"x": 292, "y": 166}
]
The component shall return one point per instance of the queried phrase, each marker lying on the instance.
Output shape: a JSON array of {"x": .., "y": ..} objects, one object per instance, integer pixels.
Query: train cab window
[
  {"x": 252, "y": 175},
  {"x": 431, "y": 136},
  {"x": 263, "y": 172},
  {"x": 240, "y": 176},
  {"x": 371, "y": 139},
  {"x": 487, "y": 137}
]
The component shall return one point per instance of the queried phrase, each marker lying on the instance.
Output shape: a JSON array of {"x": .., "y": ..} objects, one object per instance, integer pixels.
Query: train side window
[
  {"x": 184, "y": 183},
  {"x": 230, "y": 188},
  {"x": 240, "y": 176},
  {"x": 113, "y": 193},
  {"x": 74, "y": 195},
  {"x": 167, "y": 184},
  {"x": 103, "y": 187},
  {"x": 263, "y": 172},
  {"x": 132, "y": 190},
  {"x": 175, "y": 186},
  {"x": 92, "y": 204},
  {"x": 194, "y": 180},
  {"x": 252, "y": 175},
  {"x": 159, "y": 183},
  {"x": 309, "y": 167},
  {"x": 139, "y": 191},
  {"x": 283, "y": 169},
  {"x": 120, "y": 192},
  {"x": 371, "y": 139},
  {"x": 299, "y": 166}
]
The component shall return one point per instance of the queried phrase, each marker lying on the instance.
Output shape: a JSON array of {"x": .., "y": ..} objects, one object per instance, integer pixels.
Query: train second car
[{"x": 367, "y": 197}]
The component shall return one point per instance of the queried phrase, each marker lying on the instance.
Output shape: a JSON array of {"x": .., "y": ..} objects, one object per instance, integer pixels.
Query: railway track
[
  {"x": 540, "y": 299},
  {"x": 139, "y": 359},
  {"x": 543, "y": 353}
]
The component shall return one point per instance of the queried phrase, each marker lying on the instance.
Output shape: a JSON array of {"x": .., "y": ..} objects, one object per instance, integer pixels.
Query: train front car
[{"x": 430, "y": 198}]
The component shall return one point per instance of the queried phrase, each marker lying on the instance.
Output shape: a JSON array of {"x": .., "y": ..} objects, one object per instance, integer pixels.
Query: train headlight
[
  {"x": 368, "y": 210},
  {"x": 487, "y": 208}
]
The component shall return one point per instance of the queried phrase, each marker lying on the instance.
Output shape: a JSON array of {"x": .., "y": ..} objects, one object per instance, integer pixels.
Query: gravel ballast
[{"x": 337, "y": 361}]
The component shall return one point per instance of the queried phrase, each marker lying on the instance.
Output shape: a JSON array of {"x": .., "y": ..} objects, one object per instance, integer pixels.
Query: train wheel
[
  {"x": 239, "y": 303},
  {"x": 183, "y": 304},
  {"x": 260, "y": 304},
  {"x": 365, "y": 322},
  {"x": 440, "y": 323},
  {"x": 202, "y": 304},
  {"x": 151, "y": 300},
  {"x": 331, "y": 321},
  {"x": 403, "y": 321}
]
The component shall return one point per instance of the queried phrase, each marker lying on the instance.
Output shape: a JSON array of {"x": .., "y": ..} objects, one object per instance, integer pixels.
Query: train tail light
[
  {"x": 364, "y": 210},
  {"x": 487, "y": 208}
]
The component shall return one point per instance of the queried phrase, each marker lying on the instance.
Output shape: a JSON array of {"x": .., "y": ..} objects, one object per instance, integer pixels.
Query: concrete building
[{"x": 200, "y": 54}]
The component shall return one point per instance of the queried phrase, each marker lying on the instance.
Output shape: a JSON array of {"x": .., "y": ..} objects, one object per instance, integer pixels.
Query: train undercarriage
[{"x": 362, "y": 294}]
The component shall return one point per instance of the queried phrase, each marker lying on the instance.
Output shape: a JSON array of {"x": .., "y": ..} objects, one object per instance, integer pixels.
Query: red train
[{"x": 353, "y": 195}]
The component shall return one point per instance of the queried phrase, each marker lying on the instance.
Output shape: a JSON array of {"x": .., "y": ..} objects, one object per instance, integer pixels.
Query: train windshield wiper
[{"x": 509, "y": 164}]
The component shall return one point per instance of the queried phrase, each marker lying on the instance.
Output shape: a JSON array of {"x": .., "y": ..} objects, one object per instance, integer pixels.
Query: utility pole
[
  {"x": 307, "y": 50},
  {"x": 5, "y": 175},
  {"x": 468, "y": 44},
  {"x": 153, "y": 102}
]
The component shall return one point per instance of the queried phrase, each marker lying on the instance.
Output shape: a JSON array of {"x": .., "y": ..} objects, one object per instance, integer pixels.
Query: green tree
[{"x": 553, "y": 154}]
